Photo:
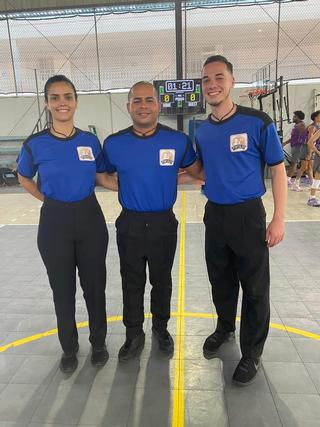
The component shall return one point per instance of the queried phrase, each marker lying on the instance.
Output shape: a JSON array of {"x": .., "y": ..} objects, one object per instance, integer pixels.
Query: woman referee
[{"x": 72, "y": 230}]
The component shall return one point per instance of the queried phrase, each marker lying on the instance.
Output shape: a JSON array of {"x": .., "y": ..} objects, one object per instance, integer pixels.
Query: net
[{"x": 256, "y": 93}]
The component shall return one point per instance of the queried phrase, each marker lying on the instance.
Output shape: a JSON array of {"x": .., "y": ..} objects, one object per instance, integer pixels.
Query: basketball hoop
[{"x": 255, "y": 93}]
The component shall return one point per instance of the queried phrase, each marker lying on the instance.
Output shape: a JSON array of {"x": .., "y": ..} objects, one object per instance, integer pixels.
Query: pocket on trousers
[
  {"x": 258, "y": 221},
  {"x": 209, "y": 214},
  {"x": 254, "y": 230},
  {"x": 170, "y": 225},
  {"x": 255, "y": 217},
  {"x": 122, "y": 224}
]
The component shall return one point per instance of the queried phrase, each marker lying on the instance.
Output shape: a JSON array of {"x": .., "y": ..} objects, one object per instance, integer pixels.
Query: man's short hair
[
  {"x": 141, "y": 83},
  {"x": 314, "y": 115},
  {"x": 299, "y": 114},
  {"x": 219, "y": 58}
]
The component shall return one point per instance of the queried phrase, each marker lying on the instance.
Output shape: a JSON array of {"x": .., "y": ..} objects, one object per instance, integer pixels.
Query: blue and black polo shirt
[
  {"x": 234, "y": 153},
  {"x": 66, "y": 167},
  {"x": 148, "y": 166}
]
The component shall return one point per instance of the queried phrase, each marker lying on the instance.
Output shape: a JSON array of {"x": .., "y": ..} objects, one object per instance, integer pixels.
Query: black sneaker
[
  {"x": 214, "y": 341},
  {"x": 165, "y": 340},
  {"x": 99, "y": 356},
  {"x": 131, "y": 348},
  {"x": 246, "y": 371},
  {"x": 69, "y": 361}
]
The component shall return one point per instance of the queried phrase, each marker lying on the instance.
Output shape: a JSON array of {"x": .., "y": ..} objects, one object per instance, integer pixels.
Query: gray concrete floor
[{"x": 33, "y": 392}]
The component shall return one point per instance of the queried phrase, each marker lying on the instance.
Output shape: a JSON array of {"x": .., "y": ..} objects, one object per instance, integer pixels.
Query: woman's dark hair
[{"x": 55, "y": 79}]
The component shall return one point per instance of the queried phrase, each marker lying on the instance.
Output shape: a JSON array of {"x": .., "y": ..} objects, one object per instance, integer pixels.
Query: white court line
[
  {"x": 13, "y": 194},
  {"x": 19, "y": 224},
  {"x": 302, "y": 220},
  {"x": 2, "y": 225}
]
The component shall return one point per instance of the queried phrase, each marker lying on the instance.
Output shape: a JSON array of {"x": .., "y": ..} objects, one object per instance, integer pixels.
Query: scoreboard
[{"x": 180, "y": 96}]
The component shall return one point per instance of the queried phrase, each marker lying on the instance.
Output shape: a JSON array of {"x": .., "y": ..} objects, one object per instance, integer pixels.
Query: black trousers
[
  {"x": 146, "y": 238},
  {"x": 74, "y": 235},
  {"x": 236, "y": 254}
]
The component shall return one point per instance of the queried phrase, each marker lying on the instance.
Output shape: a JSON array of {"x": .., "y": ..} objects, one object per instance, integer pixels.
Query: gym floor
[{"x": 153, "y": 390}]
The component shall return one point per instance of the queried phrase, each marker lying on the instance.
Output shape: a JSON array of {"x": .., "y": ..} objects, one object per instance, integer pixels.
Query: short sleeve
[
  {"x": 100, "y": 164},
  {"x": 26, "y": 166},
  {"x": 110, "y": 168},
  {"x": 189, "y": 156},
  {"x": 271, "y": 146},
  {"x": 199, "y": 154}
]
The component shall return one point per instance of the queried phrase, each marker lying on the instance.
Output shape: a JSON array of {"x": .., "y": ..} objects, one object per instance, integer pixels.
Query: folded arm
[
  {"x": 107, "y": 181},
  {"x": 191, "y": 174},
  {"x": 31, "y": 187}
]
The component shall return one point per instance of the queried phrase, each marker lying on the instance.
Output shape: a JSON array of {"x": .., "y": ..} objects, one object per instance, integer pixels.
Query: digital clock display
[
  {"x": 179, "y": 85},
  {"x": 180, "y": 96}
]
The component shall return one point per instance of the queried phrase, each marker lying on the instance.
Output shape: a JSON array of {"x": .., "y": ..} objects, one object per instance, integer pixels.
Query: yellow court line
[
  {"x": 54, "y": 331},
  {"x": 272, "y": 325},
  {"x": 295, "y": 331},
  {"x": 178, "y": 393},
  {"x": 45, "y": 334}
]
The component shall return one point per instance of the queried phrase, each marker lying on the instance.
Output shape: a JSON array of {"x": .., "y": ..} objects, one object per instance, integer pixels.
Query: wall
[{"x": 108, "y": 112}]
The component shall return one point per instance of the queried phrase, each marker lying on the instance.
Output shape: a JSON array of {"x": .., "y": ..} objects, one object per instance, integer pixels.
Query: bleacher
[{"x": 9, "y": 149}]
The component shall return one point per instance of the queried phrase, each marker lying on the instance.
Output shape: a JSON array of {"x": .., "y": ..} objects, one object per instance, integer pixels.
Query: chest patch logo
[
  {"x": 85, "y": 154},
  {"x": 166, "y": 157},
  {"x": 238, "y": 142}
]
